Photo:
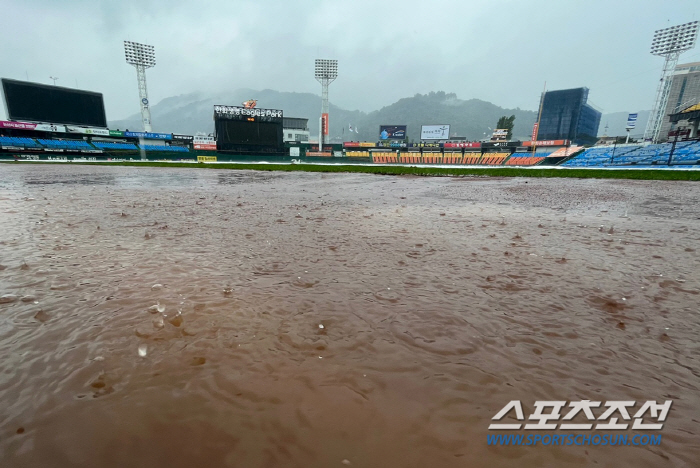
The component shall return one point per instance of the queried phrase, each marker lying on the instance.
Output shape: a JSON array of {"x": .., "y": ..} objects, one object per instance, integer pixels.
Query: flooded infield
[{"x": 187, "y": 317}]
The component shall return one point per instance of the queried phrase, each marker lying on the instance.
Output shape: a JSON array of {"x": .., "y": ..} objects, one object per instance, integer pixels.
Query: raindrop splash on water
[
  {"x": 157, "y": 308},
  {"x": 176, "y": 320},
  {"x": 158, "y": 323},
  {"x": 7, "y": 298}
]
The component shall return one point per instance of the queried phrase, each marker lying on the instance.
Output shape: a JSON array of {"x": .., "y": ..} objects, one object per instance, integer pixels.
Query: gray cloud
[{"x": 501, "y": 52}]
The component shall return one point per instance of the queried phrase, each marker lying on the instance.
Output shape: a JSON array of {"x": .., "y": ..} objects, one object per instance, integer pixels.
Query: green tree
[{"x": 507, "y": 123}]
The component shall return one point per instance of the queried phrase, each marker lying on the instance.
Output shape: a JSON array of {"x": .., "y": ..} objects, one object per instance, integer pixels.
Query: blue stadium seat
[
  {"x": 686, "y": 152},
  {"x": 21, "y": 142},
  {"x": 176, "y": 149},
  {"x": 104, "y": 145}
]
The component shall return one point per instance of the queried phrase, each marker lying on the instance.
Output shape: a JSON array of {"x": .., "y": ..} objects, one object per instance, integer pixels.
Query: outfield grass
[{"x": 638, "y": 174}]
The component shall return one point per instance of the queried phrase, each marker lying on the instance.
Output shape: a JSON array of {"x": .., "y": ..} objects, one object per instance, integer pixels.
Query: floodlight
[
  {"x": 325, "y": 72},
  {"x": 669, "y": 43},
  {"x": 141, "y": 56}
]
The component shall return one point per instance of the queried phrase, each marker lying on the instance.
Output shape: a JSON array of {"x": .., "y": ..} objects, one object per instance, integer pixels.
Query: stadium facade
[
  {"x": 685, "y": 92},
  {"x": 566, "y": 115},
  {"x": 295, "y": 129},
  {"x": 61, "y": 124}
]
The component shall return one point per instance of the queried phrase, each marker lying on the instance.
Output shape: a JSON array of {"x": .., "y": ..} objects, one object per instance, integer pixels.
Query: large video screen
[
  {"x": 53, "y": 104},
  {"x": 392, "y": 132},
  {"x": 233, "y": 135}
]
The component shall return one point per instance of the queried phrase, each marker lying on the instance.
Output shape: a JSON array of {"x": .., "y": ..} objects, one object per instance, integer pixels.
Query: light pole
[
  {"x": 54, "y": 80},
  {"x": 325, "y": 72},
  {"x": 669, "y": 43},
  {"x": 141, "y": 56}
]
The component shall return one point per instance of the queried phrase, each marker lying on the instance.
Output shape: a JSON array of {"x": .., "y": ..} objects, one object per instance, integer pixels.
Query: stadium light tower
[
  {"x": 141, "y": 56},
  {"x": 669, "y": 43},
  {"x": 325, "y": 72}
]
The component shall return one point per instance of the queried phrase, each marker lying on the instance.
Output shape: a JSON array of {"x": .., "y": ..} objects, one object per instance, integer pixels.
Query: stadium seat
[
  {"x": 493, "y": 159},
  {"x": 175, "y": 149},
  {"x": 687, "y": 152},
  {"x": 471, "y": 158},
  {"x": 70, "y": 145},
  {"x": 21, "y": 142},
  {"x": 110, "y": 146}
]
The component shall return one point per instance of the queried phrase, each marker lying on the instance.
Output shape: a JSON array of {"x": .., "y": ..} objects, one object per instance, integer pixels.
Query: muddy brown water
[{"x": 319, "y": 320}]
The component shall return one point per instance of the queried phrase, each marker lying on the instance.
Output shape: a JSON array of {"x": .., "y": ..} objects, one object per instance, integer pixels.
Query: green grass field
[{"x": 637, "y": 174}]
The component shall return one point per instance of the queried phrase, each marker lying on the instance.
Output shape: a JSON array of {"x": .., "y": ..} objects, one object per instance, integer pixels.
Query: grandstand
[
  {"x": 18, "y": 142},
  {"x": 66, "y": 144},
  {"x": 452, "y": 158},
  {"x": 14, "y": 143},
  {"x": 104, "y": 145},
  {"x": 357, "y": 154},
  {"x": 493, "y": 159},
  {"x": 410, "y": 158},
  {"x": 681, "y": 153},
  {"x": 175, "y": 149},
  {"x": 384, "y": 157},
  {"x": 471, "y": 158}
]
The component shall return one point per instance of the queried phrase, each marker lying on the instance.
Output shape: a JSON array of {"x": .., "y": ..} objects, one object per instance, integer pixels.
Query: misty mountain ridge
[{"x": 472, "y": 119}]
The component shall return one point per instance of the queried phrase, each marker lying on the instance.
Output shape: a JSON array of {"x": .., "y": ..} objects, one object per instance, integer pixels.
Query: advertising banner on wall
[
  {"x": 185, "y": 138},
  {"x": 50, "y": 128},
  {"x": 392, "y": 144},
  {"x": 392, "y": 132},
  {"x": 205, "y": 146},
  {"x": 547, "y": 143},
  {"x": 204, "y": 143},
  {"x": 471, "y": 144},
  {"x": 149, "y": 135},
  {"x": 500, "y": 134},
  {"x": 88, "y": 131},
  {"x": 435, "y": 132},
  {"x": 182, "y": 140},
  {"x": 116, "y": 133},
  {"x": 33, "y": 126},
  {"x": 501, "y": 144},
  {"x": 17, "y": 125},
  {"x": 359, "y": 144},
  {"x": 324, "y": 119}
]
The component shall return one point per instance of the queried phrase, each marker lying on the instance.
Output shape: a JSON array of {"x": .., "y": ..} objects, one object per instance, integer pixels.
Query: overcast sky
[{"x": 499, "y": 51}]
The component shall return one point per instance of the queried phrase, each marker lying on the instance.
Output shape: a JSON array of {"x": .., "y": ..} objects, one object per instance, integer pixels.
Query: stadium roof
[
  {"x": 692, "y": 108},
  {"x": 689, "y": 113}
]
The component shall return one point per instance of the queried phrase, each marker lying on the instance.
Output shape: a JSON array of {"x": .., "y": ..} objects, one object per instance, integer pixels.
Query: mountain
[
  {"x": 194, "y": 112},
  {"x": 473, "y": 118},
  {"x": 617, "y": 122}
]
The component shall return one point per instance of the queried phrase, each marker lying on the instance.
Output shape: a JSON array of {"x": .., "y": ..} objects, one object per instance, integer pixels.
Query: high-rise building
[
  {"x": 685, "y": 92},
  {"x": 566, "y": 115}
]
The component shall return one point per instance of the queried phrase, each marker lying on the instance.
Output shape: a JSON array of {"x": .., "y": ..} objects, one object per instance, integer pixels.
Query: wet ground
[{"x": 188, "y": 317}]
